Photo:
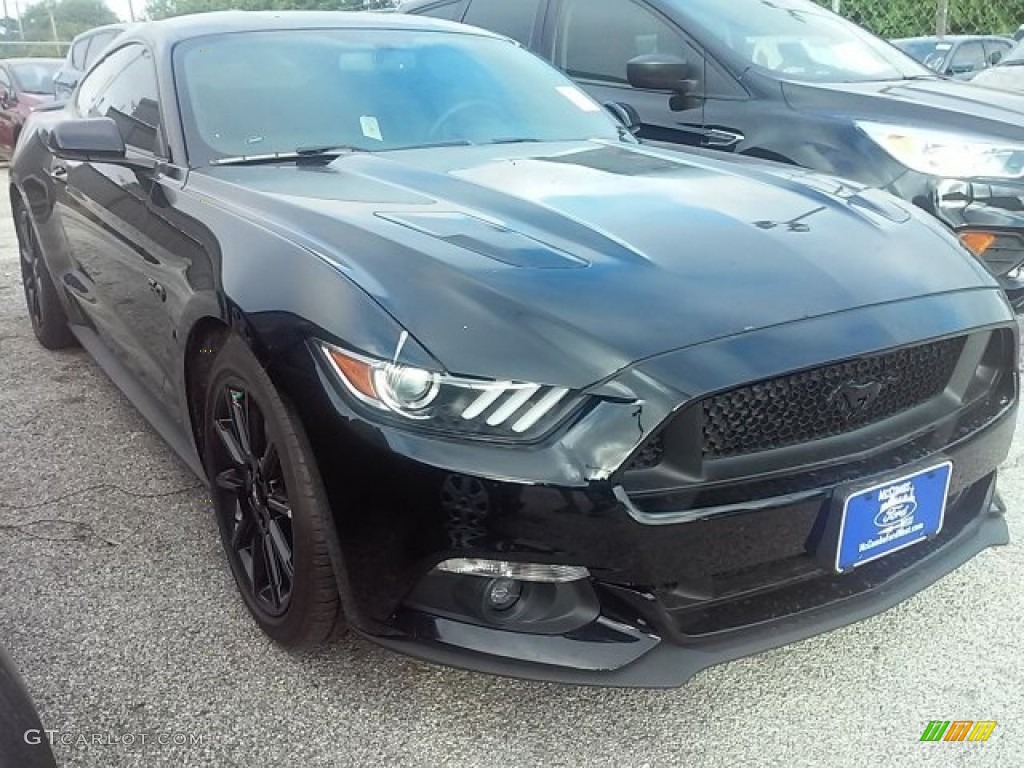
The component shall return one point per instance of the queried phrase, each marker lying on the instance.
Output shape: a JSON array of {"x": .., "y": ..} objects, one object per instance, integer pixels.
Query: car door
[
  {"x": 592, "y": 41},
  {"x": 105, "y": 209},
  {"x": 996, "y": 50}
]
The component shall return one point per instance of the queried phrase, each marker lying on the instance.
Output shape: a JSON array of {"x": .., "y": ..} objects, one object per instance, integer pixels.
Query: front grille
[
  {"x": 826, "y": 401},
  {"x": 649, "y": 456}
]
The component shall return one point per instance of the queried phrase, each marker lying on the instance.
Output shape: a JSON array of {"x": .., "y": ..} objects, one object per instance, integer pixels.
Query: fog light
[
  {"x": 503, "y": 594},
  {"x": 499, "y": 569}
]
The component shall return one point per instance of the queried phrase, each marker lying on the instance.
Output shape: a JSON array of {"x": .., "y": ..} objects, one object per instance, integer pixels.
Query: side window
[
  {"x": 995, "y": 51},
  {"x": 98, "y": 46},
  {"x": 78, "y": 53},
  {"x": 584, "y": 47},
  {"x": 515, "y": 19},
  {"x": 450, "y": 11},
  {"x": 97, "y": 79},
  {"x": 968, "y": 58},
  {"x": 5, "y": 81},
  {"x": 131, "y": 101}
]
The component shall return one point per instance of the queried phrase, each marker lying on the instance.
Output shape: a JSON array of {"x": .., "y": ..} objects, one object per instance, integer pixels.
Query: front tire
[
  {"x": 49, "y": 321},
  {"x": 269, "y": 500}
]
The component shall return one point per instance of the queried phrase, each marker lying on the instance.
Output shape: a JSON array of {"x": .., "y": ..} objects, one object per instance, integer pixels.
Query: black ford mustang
[{"x": 470, "y": 367}]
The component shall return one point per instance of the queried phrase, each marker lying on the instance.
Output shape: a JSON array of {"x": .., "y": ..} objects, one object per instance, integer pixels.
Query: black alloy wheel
[
  {"x": 270, "y": 505},
  {"x": 256, "y": 512},
  {"x": 49, "y": 322}
]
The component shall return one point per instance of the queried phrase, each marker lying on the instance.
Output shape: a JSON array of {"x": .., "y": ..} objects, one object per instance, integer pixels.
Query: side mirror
[
  {"x": 90, "y": 138},
  {"x": 8, "y": 97},
  {"x": 660, "y": 72},
  {"x": 625, "y": 114},
  {"x": 995, "y": 57}
]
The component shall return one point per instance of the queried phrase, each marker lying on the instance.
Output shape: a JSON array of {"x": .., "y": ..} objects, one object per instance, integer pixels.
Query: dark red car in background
[{"x": 24, "y": 85}]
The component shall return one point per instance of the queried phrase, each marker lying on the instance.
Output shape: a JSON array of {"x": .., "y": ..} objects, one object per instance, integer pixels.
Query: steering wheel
[{"x": 436, "y": 130}]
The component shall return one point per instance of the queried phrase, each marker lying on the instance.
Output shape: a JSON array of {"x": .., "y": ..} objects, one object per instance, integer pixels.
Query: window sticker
[
  {"x": 580, "y": 99},
  {"x": 371, "y": 128}
]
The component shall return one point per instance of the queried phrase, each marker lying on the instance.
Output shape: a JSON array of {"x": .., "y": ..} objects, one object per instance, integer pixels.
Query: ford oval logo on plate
[
  {"x": 892, "y": 516},
  {"x": 898, "y": 507}
]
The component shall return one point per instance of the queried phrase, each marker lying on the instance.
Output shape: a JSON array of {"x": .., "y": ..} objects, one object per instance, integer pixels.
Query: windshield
[
  {"x": 931, "y": 53},
  {"x": 35, "y": 76},
  {"x": 260, "y": 93},
  {"x": 799, "y": 40}
]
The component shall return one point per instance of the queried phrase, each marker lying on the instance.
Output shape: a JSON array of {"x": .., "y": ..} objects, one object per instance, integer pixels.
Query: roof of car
[
  {"x": 116, "y": 26},
  {"x": 948, "y": 38},
  {"x": 179, "y": 28}
]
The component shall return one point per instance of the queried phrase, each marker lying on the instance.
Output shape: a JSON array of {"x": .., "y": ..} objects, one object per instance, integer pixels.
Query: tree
[
  {"x": 162, "y": 9},
  {"x": 70, "y": 17}
]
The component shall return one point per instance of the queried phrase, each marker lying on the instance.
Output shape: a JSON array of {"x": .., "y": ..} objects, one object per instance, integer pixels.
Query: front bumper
[{"x": 665, "y": 664}]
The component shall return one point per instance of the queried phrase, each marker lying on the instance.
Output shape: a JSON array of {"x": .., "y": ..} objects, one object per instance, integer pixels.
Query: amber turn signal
[
  {"x": 978, "y": 242},
  {"x": 358, "y": 373}
]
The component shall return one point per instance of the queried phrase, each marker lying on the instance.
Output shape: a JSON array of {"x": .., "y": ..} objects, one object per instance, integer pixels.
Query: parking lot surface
[{"x": 117, "y": 605}]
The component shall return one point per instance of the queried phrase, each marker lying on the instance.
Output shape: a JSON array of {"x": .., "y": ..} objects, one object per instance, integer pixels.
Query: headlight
[
  {"x": 450, "y": 404},
  {"x": 951, "y": 155}
]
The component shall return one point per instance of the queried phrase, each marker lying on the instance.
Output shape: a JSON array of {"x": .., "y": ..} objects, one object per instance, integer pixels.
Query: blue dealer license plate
[{"x": 891, "y": 516}]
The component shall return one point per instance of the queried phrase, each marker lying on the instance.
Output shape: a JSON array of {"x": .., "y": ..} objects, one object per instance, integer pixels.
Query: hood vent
[{"x": 487, "y": 239}]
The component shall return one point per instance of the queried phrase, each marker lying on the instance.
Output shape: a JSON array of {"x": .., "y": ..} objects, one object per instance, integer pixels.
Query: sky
[{"x": 120, "y": 7}]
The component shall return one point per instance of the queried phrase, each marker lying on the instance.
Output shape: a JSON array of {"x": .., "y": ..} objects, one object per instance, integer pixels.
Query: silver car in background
[{"x": 85, "y": 49}]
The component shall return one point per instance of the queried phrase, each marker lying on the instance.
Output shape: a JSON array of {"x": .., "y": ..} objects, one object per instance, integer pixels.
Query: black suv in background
[{"x": 788, "y": 80}]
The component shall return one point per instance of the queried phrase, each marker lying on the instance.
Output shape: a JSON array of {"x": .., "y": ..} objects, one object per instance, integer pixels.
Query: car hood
[
  {"x": 955, "y": 105},
  {"x": 563, "y": 263},
  {"x": 32, "y": 100},
  {"x": 1010, "y": 78}
]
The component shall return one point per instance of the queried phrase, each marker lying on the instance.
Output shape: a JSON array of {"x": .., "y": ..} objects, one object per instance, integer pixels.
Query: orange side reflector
[
  {"x": 358, "y": 373},
  {"x": 978, "y": 242}
]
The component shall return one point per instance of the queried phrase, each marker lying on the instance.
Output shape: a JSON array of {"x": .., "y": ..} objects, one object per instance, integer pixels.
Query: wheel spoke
[
  {"x": 238, "y": 405},
  {"x": 282, "y": 549},
  {"x": 248, "y": 565},
  {"x": 230, "y": 480},
  {"x": 278, "y": 504},
  {"x": 242, "y": 535},
  {"x": 272, "y": 570},
  {"x": 270, "y": 462},
  {"x": 227, "y": 438}
]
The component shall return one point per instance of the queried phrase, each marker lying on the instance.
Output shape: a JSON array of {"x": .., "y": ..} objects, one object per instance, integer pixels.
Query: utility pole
[
  {"x": 942, "y": 18},
  {"x": 53, "y": 25},
  {"x": 21, "y": 29},
  {"x": 131, "y": 10}
]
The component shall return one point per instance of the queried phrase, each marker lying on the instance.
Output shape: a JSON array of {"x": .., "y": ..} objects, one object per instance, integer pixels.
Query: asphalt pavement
[{"x": 117, "y": 605}]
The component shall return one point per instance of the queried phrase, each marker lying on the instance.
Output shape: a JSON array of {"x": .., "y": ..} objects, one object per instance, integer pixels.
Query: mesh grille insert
[{"x": 826, "y": 401}]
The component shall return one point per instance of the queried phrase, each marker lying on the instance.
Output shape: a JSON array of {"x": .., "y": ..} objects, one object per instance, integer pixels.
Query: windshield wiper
[
  {"x": 299, "y": 156},
  {"x": 513, "y": 140}
]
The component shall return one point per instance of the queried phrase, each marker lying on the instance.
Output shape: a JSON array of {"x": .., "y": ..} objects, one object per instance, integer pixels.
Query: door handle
[
  {"x": 59, "y": 173},
  {"x": 157, "y": 289},
  {"x": 720, "y": 139}
]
